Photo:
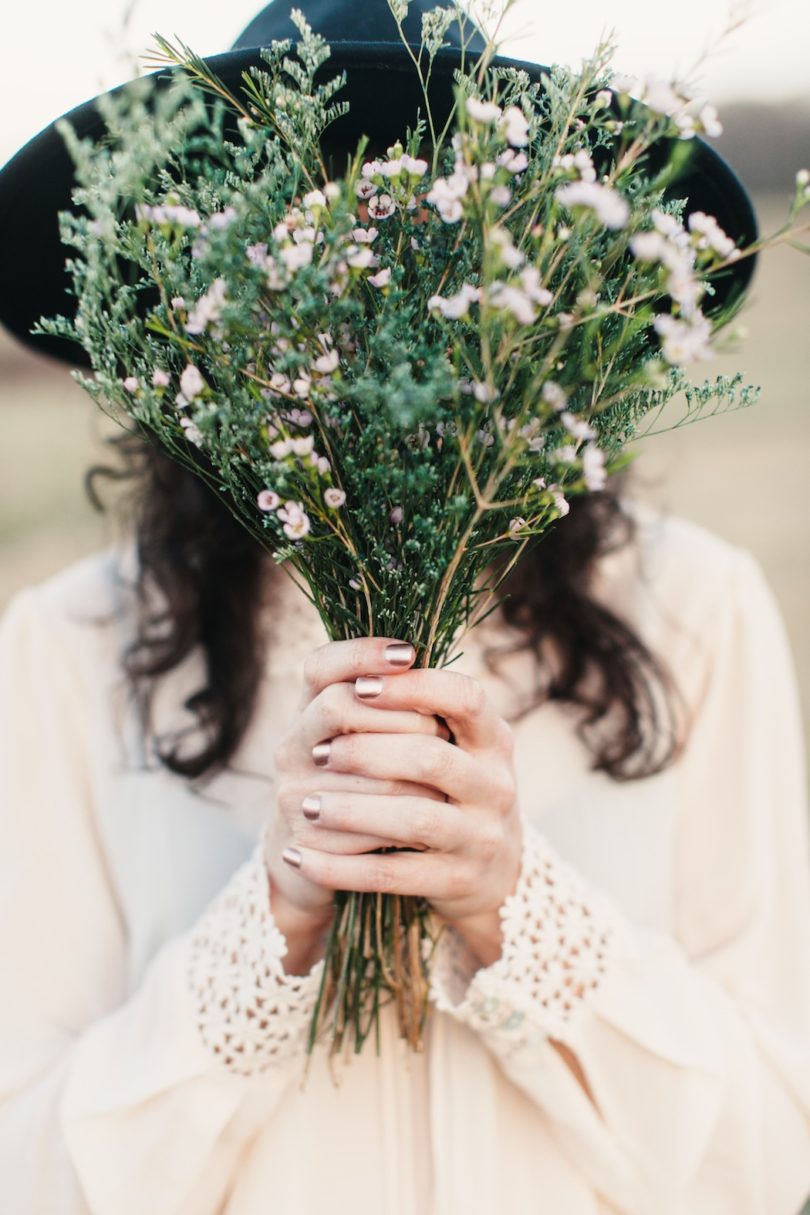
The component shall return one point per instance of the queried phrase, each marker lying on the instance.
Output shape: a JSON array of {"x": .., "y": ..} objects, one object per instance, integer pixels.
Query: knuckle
[
  {"x": 312, "y": 670},
  {"x": 284, "y": 753},
  {"x": 435, "y": 759},
  {"x": 427, "y": 822},
  {"x": 504, "y": 791},
  {"x": 490, "y": 839},
  {"x": 332, "y": 709},
  {"x": 357, "y": 654},
  {"x": 459, "y": 882},
  {"x": 381, "y": 876},
  {"x": 472, "y": 696}
]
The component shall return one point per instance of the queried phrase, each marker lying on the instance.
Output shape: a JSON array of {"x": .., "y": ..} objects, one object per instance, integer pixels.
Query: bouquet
[{"x": 396, "y": 378}]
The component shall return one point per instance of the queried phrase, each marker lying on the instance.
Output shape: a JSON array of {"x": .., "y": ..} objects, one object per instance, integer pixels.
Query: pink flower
[
  {"x": 160, "y": 378},
  {"x": 131, "y": 383},
  {"x": 397, "y": 515},
  {"x": 191, "y": 382},
  {"x": 334, "y": 497},
  {"x": 382, "y": 278},
  {"x": 267, "y": 500},
  {"x": 382, "y": 207}
]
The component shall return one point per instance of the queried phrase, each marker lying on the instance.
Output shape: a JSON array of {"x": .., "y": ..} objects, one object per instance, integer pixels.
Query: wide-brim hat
[{"x": 384, "y": 94}]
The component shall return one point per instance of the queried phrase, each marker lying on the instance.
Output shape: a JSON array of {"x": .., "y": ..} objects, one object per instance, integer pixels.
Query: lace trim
[
  {"x": 556, "y": 947},
  {"x": 250, "y": 1014}
]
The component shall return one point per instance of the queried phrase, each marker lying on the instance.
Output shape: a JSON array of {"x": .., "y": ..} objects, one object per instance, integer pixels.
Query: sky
[{"x": 58, "y": 54}]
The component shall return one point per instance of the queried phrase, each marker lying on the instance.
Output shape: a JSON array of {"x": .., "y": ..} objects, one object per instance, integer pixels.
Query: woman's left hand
[{"x": 467, "y": 849}]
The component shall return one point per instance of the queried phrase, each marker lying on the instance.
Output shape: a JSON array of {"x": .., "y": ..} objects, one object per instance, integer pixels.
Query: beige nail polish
[
  {"x": 399, "y": 653},
  {"x": 320, "y": 754},
  {"x": 292, "y": 856},
  {"x": 368, "y": 686},
  {"x": 311, "y": 807}
]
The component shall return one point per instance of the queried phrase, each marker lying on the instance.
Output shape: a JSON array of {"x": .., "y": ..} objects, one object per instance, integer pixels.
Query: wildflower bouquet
[{"x": 397, "y": 377}]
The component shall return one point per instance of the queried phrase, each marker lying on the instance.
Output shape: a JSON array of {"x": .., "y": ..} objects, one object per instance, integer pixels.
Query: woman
[{"x": 613, "y": 837}]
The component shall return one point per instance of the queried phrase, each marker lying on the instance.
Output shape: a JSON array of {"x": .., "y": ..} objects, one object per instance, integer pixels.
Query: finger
[
  {"x": 344, "y": 661},
  {"x": 460, "y": 700},
  {"x": 336, "y": 710},
  {"x": 428, "y": 761},
  {"x": 412, "y": 822},
  {"x": 427, "y": 875},
  {"x": 341, "y": 843}
]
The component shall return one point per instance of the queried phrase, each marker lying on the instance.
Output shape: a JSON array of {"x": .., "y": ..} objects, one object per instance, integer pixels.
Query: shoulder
[
  {"x": 688, "y": 593},
  {"x": 81, "y": 614}
]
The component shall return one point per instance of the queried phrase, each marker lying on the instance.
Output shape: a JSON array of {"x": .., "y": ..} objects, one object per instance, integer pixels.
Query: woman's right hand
[{"x": 328, "y": 707}]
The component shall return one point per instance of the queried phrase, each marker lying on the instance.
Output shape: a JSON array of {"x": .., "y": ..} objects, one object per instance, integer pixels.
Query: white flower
[
  {"x": 315, "y": 198},
  {"x": 302, "y": 446},
  {"x": 382, "y": 206},
  {"x": 483, "y": 111},
  {"x": 396, "y": 515},
  {"x": 501, "y": 196},
  {"x": 365, "y": 190},
  {"x": 554, "y": 395},
  {"x": 334, "y": 497},
  {"x": 576, "y": 426},
  {"x": 609, "y": 207},
  {"x": 604, "y": 98},
  {"x": 332, "y": 191},
  {"x": 513, "y": 300},
  {"x": 684, "y": 342},
  {"x": 516, "y": 525},
  {"x": 710, "y": 234},
  {"x": 295, "y": 257},
  {"x": 364, "y": 236},
  {"x": 327, "y": 363},
  {"x": 540, "y": 482},
  {"x": 177, "y": 303},
  {"x": 267, "y": 499},
  {"x": 648, "y": 246},
  {"x": 455, "y": 306},
  {"x": 302, "y": 385},
  {"x": 565, "y": 454},
  {"x": 193, "y": 433},
  {"x": 191, "y": 382},
  {"x": 295, "y": 520},
  {"x": 530, "y": 279},
  {"x": 510, "y": 256},
  {"x": 593, "y": 468},
  {"x": 414, "y": 165},
  {"x": 484, "y": 392},
  {"x": 360, "y": 258},
  {"x": 710, "y": 121},
  {"x": 446, "y": 195},
  {"x": 515, "y": 126},
  {"x": 381, "y": 279},
  {"x": 280, "y": 449},
  {"x": 515, "y": 162},
  {"x": 560, "y": 503},
  {"x": 221, "y": 219},
  {"x": 579, "y": 162},
  {"x": 131, "y": 384},
  {"x": 322, "y": 465},
  {"x": 485, "y": 438},
  {"x": 160, "y": 378},
  {"x": 208, "y": 308}
]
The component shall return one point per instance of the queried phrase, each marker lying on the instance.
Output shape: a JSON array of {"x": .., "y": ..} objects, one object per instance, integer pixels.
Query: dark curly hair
[{"x": 212, "y": 579}]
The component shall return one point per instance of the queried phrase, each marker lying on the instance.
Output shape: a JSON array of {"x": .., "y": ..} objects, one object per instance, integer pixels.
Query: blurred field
[{"x": 743, "y": 475}]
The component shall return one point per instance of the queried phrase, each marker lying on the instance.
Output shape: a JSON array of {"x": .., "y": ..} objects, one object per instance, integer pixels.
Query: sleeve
[
  {"x": 695, "y": 1045},
  {"x": 116, "y": 1102}
]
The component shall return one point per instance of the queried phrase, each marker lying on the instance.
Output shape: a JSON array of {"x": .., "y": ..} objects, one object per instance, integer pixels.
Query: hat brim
[{"x": 384, "y": 94}]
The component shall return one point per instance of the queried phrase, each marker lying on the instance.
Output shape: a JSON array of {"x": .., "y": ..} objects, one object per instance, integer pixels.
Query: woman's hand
[
  {"x": 467, "y": 846},
  {"x": 329, "y": 706}
]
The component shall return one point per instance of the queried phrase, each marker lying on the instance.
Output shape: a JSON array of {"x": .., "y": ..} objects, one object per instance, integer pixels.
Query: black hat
[{"x": 384, "y": 94}]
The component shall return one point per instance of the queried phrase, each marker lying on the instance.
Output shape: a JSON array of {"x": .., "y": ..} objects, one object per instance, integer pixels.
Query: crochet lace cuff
[
  {"x": 250, "y": 1014},
  {"x": 557, "y": 938}
]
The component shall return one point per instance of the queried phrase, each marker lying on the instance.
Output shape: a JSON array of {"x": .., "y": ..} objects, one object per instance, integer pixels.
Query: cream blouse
[{"x": 152, "y": 1047}]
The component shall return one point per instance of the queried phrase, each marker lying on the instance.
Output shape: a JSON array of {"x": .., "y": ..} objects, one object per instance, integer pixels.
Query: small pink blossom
[
  {"x": 160, "y": 378},
  {"x": 268, "y": 499},
  {"x": 131, "y": 384},
  {"x": 191, "y": 382},
  {"x": 334, "y": 497},
  {"x": 381, "y": 279},
  {"x": 396, "y": 515},
  {"x": 381, "y": 206}
]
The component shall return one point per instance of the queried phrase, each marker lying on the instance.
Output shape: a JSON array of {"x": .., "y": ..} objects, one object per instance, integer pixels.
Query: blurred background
[{"x": 743, "y": 475}]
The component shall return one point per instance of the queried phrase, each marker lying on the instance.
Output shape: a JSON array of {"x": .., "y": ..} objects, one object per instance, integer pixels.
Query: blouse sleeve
[
  {"x": 695, "y": 1045},
  {"x": 117, "y": 1102}
]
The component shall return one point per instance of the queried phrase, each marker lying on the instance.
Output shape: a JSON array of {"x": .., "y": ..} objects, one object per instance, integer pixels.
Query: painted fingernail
[
  {"x": 368, "y": 686},
  {"x": 292, "y": 856},
  {"x": 320, "y": 754},
  {"x": 312, "y": 807},
  {"x": 399, "y": 653}
]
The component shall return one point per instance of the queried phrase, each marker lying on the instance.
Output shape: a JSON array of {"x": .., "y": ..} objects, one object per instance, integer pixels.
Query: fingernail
[
  {"x": 292, "y": 856},
  {"x": 368, "y": 686},
  {"x": 320, "y": 754},
  {"x": 312, "y": 807},
  {"x": 399, "y": 653}
]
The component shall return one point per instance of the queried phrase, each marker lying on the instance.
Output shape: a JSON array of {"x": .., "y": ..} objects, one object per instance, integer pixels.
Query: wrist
[
  {"x": 305, "y": 930},
  {"x": 483, "y": 936}
]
